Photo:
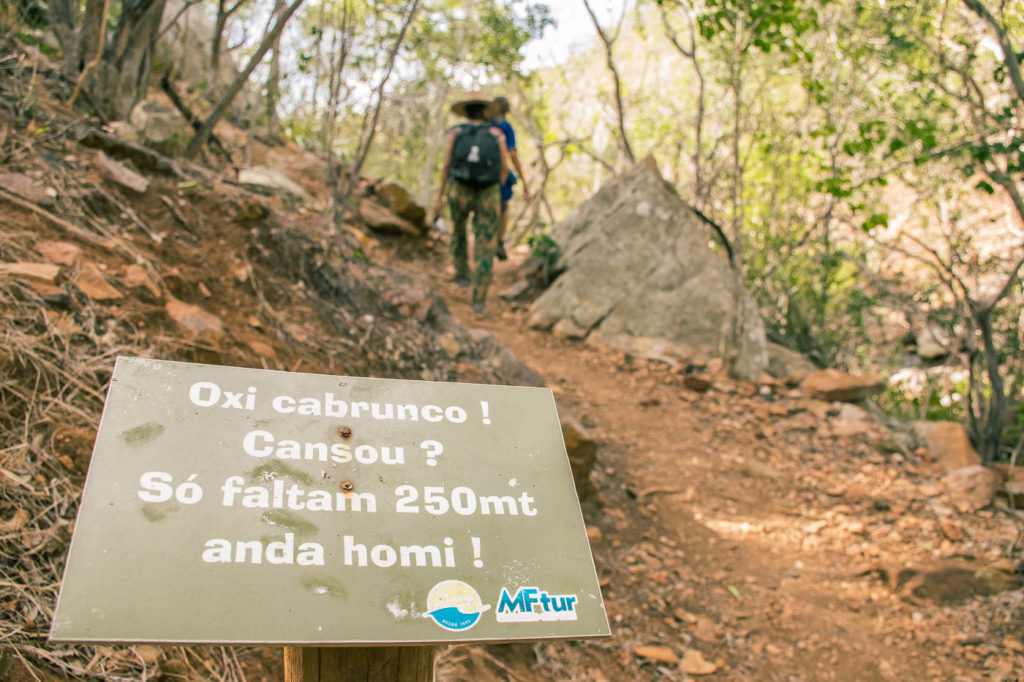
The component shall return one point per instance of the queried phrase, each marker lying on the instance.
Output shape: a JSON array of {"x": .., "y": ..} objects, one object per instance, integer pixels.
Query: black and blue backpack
[{"x": 476, "y": 155}]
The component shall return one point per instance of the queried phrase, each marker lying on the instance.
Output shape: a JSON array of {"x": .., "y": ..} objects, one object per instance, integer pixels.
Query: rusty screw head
[
  {"x": 345, "y": 431},
  {"x": 348, "y": 486}
]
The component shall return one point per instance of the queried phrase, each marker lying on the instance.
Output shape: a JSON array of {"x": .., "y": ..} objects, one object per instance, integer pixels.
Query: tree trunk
[
  {"x": 739, "y": 276},
  {"x": 274, "y": 80},
  {"x": 992, "y": 428},
  {"x": 121, "y": 79}
]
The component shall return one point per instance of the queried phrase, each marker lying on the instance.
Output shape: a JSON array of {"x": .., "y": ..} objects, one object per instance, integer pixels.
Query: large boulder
[{"x": 637, "y": 261}]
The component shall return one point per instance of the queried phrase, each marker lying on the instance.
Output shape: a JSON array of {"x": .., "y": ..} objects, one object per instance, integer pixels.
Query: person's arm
[
  {"x": 504, "y": 153},
  {"x": 443, "y": 182},
  {"x": 514, "y": 155}
]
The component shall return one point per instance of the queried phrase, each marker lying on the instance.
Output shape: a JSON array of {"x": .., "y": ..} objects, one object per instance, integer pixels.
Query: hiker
[
  {"x": 506, "y": 187},
  {"x": 475, "y": 162}
]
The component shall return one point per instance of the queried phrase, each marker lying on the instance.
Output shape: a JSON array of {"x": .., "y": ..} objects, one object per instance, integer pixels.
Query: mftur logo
[
  {"x": 454, "y": 605},
  {"x": 532, "y": 604}
]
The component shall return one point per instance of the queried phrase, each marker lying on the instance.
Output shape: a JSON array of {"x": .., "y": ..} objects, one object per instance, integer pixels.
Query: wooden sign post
[
  {"x": 344, "y": 664},
  {"x": 226, "y": 505}
]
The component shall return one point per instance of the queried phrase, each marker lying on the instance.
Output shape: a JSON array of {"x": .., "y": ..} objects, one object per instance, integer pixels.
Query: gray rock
[
  {"x": 26, "y": 188},
  {"x": 947, "y": 442},
  {"x": 788, "y": 365},
  {"x": 121, "y": 173},
  {"x": 515, "y": 290},
  {"x": 159, "y": 126},
  {"x": 271, "y": 179},
  {"x": 582, "y": 452},
  {"x": 400, "y": 202},
  {"x": 973, "y": 487},
  {"x": 648, "y": 348},
  {"x": 567, "y": 329},
  {"x": 381, "y": 219},
  {"x": 834, "y": 385},
  {"x": 637, "y": 261}
]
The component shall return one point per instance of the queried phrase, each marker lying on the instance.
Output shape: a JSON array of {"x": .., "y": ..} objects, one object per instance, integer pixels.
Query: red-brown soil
[{"x": 733, "y": 523}]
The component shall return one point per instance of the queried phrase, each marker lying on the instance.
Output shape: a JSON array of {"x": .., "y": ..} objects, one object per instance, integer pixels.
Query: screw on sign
[
  {"x": 348, "y": 486},
  {"x": 345, "y": 431}
]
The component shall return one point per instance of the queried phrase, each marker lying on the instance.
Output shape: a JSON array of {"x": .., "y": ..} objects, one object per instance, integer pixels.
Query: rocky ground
[{"x": 741, "y": 530}]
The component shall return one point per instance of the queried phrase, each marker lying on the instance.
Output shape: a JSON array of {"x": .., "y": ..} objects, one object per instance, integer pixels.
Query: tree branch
[
  {"x": 608, "y": 42},
  {"x": 1009, "y": 53}
]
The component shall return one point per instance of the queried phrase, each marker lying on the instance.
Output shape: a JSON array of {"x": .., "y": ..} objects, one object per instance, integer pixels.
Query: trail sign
[{"x": 230, "y": 505}]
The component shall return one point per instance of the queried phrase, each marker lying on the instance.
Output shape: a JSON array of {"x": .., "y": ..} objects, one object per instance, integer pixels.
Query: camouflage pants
[{"x": 485, "y": 205}]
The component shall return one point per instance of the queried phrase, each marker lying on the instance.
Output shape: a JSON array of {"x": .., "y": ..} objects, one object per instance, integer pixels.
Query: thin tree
[
  {"x": 225, "y": 11},
  {"x": 372, "y": 115},
  {"x": 689, "y": 51},
  {"x": 273, "y": 97},
  {"x": 608, "y": 40},
  {"x": 197, "y": 142}
]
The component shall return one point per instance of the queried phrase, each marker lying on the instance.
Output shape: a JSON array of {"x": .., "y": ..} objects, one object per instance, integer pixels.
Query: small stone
[
  {"x": 93, "y": 284},
  {"x": 566, "y": 328},
  {"x": 947, "y": 442},
  {"x": 136, "y": 276},
  {"x": 194, "y": 319},
  {"x": 658, "y": 653},
  {"x": 62, "y": 253},
  {"x": 706, "y": 629},
  {"x": 450, "y": 345},
  {"x": 694, "y": 663},
  {"x": 972, "y": 488},
  {"x": 515, "y": 290},
  {"x": 121, "y": 174},
  {"x": 381, "y": 219},
  {"x": 24, "y": 187},
  {"x": 262, "y": 349},
  {"x": 594, "y": 535},
  {"x": 44, "y": 272},
  {"x": 150, "y": 655},
  {"x": 48, "y": 292},
  {"x": 582, "y": 451},
  {"x": 951, "y": 530},
  {"x": 835, "y": 385},
  {"x": 700, "y": 383}
]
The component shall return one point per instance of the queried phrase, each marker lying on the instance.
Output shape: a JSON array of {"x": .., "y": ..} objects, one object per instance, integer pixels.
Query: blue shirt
[
  {"x": 510, "y": 134},
  {"x": 510, "y": 144}
]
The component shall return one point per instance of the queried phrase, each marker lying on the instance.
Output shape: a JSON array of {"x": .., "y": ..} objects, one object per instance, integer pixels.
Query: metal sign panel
[{"x": 231, "y": 505}]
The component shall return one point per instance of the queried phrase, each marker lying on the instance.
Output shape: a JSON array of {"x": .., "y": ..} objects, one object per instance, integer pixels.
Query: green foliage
[
  {"x": 544, "y": 249},
  {"x": 939, "y": 399},
  {"x": 770, "y": 24}
]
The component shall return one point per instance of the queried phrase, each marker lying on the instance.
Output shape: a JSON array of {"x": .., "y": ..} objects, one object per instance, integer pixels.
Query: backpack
[{"x": 476, "y": 156}]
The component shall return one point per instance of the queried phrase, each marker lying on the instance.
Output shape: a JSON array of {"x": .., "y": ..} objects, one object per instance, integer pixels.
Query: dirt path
[{"x": 736, "y": 532}]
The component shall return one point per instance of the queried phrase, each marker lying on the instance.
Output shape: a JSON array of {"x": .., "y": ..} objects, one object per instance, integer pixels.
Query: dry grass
[{"x": 54, "y": 368}]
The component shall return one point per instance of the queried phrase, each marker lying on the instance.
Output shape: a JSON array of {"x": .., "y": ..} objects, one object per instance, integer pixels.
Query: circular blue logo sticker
[{"x": 454, "y": 605}]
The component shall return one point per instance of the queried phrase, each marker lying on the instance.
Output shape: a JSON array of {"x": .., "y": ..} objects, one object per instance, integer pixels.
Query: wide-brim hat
[{"x": 491, "y": 107}]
